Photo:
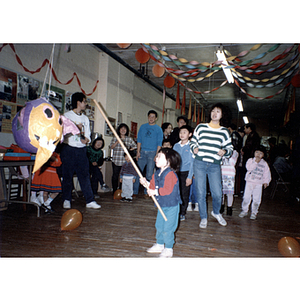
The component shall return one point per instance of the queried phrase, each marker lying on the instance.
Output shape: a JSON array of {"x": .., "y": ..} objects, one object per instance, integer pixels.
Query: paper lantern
[
  {"x": 169, "y": 81},
  {"x": 158, "y": 71},
  {"x": 142, "y": 56}
]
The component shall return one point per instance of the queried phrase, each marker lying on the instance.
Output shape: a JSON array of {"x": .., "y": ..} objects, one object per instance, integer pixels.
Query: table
[{"x": 11, "y": 165}]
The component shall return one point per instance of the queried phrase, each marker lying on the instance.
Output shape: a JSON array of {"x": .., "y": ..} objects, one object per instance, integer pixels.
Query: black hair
[
  {"x": 182, "y": 118},
  {"x": 241, "y": 129},
  {"x": 232, "y": 126},
  {"x": 187, "y": 127},
  {"x": 78, "y": 96},
  {"x": 98, "y": 139},
  {"x": 251, "y": 125},
  {"x": 166, "y": 141},
  {"x": 172, "y": 157},
  {"x": 123, "y": 125},
  {"x": 226, "y": 114},
  {"x": 262, "y": 149},
  {"x": 152, "y": 112},
  {"x": 165, "y": 126}
]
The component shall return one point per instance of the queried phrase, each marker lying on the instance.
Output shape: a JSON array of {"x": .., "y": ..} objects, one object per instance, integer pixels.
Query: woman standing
[{"x": 118, "y": 158}]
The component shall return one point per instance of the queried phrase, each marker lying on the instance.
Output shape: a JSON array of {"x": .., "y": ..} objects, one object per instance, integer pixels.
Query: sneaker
[
  {"x": 35, "y": 200},
  {"x": 243, "y": 214},
  {"x": 182, "y": 217},
  {"x": 253, "y": 216},
  {"x": 166, "y": 253},
  {"x": 40, "y": 198},
  {"x": 219, "y": 218},
  {"x": 47, "y": 208},
  {"x": 105, "y": 188},
  {"x": 93, "y": 204},
  {"x": 203, "y": 223},
  {"x": 156, "y": 248},
  {"x": 67, "y": 204},
  {"x": 189, "y": 208},
  {"x": 96, "y": 196},
  {"x": 196, "y": 207},
  {"x": 128, "y": 200}
]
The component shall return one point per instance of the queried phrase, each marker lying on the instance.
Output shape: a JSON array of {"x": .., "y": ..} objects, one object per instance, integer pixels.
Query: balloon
[
  {"x": 289, "y": 247},
  {"x": 117, "y": 194},
  {"x": 71, "y": 219}
]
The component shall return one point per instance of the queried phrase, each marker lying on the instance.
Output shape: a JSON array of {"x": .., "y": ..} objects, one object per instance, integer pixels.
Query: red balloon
[
  {"x": 123, "y": 45},
  {"x": 71, "y": 219},
  {"x": 289, "y": 247},
  {"x": 169, "y": 81},
  {"x": 142, "y": 56},
  {"x": 117, "y": 194}
]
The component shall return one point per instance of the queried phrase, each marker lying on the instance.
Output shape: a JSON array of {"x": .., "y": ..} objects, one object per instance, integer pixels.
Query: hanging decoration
[
  {"x": 296, "y": 81},
  {"x": 163, "y": 110},
  {"x": 202, "y": 119},
  {"x": 46, "y": 61},
  {"x": 198, "y": 116},
  {"x": 142, "y": 56},
  {"x": 123, "y": 45},
  {"x": 291, "y": 107},
  {"x": 177, "y": 106},
  {"x": 190, "y": 108},
  {"x": 194, "y": 117},
  {"x": 183, "y": 104},
  {"x": 169, "y": 81},
  {"x": 158, "y": 70}
]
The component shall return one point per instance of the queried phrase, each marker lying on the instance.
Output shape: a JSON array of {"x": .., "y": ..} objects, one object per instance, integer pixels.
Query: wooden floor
[{"x": 126, "y": 230}]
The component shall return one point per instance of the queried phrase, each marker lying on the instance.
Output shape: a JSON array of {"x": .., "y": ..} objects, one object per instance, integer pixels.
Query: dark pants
[
  {"x": 115, "y": 177},
  {"x": 97, "y": 176},
  {"x": 74, "y": 160},
  {"x": 184, "y": 192}
]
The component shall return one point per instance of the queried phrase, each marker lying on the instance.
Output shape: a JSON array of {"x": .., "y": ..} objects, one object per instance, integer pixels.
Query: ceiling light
[
  {"x": 246, "y": 121},
  {"x": 221, "y": 57},
  {"x": 240, "y": 105}
]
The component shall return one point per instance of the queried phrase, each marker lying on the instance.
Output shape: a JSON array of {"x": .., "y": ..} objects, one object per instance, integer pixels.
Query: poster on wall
[
  {"x": 56, "y": 97},
  {"x": 108, "y": 131},
  {"x": 8, "y": 85},
  {"x": 7, "y": 112},
  {"x": 28, "y": 89}
]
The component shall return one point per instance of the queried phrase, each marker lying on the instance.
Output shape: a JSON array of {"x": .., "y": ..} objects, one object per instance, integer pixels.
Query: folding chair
[{"x": 279, "y": 181}]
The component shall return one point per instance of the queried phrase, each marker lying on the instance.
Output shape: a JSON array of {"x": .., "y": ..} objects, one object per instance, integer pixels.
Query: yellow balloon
[
  {"x": 289, "y": 247},
  {"x": 71, "y": 219}
]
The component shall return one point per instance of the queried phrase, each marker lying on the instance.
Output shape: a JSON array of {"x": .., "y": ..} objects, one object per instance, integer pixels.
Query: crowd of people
[{"x": 176, "y": 164}]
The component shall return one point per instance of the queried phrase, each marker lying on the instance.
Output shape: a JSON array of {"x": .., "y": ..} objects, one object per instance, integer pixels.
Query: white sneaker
[
  {"x": 166, "y": 253},
  {"x": 189, "y": 208},
  {"x": 67, "y": 204},
  {"x": 243, "y": 214},
  {"x": 35, "y": 200},
  {"x": 219, "y": 218},
  {"x": 253, "y": 216},
  {"x": 196, "y": 207},
  {"x": 94, "y": 205},
  {"x": 203, "y": 223},
  {"x": 156, "y": 248}
]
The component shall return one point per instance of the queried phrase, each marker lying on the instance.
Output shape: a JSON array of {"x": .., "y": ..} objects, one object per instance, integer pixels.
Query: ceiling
[{"x": 266, "y": 69}]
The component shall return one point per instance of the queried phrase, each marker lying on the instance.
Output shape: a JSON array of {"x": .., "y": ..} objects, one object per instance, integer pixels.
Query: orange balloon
[
  {"x": 71, "y": 219},
  {"x": 158, "y": 71},
  {"x": 289, "y": 247},
  {"x": 123, "y": 45},
  {"x": 142, "y": 56},
  {"x": 117, "y": 194},
  {"x": 169, "y": 81}
]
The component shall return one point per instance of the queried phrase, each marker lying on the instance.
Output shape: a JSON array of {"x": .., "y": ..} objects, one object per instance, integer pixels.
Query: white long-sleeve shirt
[{"x": 257, "y": 173}]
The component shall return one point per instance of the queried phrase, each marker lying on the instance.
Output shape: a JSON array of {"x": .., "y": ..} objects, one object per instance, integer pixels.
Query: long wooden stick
[{"x": 126, "y": 151}]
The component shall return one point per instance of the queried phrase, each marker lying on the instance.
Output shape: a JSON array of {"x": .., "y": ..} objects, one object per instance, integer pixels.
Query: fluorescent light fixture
[
  {"x": 246, "y": 121},
  {"x": 240, "y": 105},
  {"x": 221, "y": 57}
]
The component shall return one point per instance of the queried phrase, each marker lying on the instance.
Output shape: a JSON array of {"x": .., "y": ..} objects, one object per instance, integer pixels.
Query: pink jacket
[{"x": 258, "y": 173}]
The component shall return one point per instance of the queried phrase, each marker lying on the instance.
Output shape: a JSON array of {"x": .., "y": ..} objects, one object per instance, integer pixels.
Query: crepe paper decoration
[
  {"x": 158, "y": 70},
  {"x": 183, "y": 104},
  {"x": 169, "y": 81},
  {"x": 46, "y": 61},
  {"x": 195, "y": 110},
  {"x": 190, "y": 108},
  {"x": 123, "y": 45},
  {"x": 163, "y": 110},
  {"x": 142, "y": 56},
  {"x": 38, "y": 128},
  {"x": 202, "y": 119},
  {"x": 177, "y": 106},
  {"x": 198, "y": 116},
  {"x": 291, "y": 107},
  {"x": 296, "y": 81}
]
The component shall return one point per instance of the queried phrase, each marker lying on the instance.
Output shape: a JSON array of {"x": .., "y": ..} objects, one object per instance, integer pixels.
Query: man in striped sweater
[{"x": 210, "y": 142}]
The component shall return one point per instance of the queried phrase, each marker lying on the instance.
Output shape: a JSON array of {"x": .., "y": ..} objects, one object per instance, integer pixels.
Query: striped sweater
[{"x": 210, "y": 140}]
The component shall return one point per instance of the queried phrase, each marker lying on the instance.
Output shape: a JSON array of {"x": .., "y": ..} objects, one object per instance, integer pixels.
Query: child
[
  {"x": 165, "y": 186},
  {"x": 166, "y": 143},
  {"x": 128, "y": 176},
  {"x": 47, "y": 181},
  {"x": 258, "y": 175},
  {"x": 228, "y": 181},
  {"x": 186, "y": 167},
  {"x": 95, "y": 156},
  {"x": 210, "y": 142}
]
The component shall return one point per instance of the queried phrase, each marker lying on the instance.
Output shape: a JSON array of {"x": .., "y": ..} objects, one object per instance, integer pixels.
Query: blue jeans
[
  {"x": 192, "y": 198},
  {"x": 146, "y": 158},
  {"x": 213, "y": 172},
  {"x": 165, "y": 230}
]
